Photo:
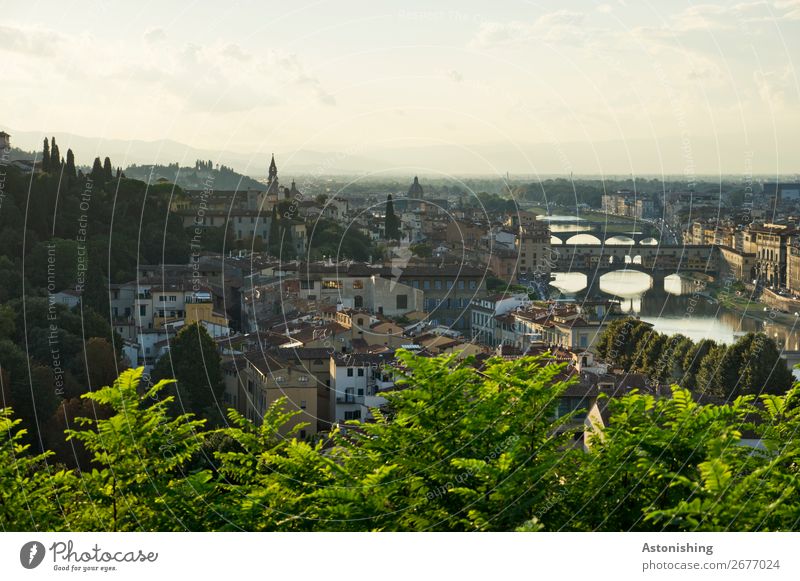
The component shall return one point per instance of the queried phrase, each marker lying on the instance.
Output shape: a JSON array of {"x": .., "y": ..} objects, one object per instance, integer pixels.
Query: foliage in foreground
[{"x": 459, "y": 449}]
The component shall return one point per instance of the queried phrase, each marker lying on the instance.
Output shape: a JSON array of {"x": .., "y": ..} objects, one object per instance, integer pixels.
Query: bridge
[
  {"x": 656, "y": 261},
  {"x": 591, "y": 257},
  {"x": 598, "y": 231}
]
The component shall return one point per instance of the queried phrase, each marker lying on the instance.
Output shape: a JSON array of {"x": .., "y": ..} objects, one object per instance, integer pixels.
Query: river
[{"x": 676, "y": 309}]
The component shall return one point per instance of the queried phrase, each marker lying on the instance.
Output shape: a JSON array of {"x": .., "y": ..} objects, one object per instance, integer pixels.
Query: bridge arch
[
  {"x": 584, "y": 238},
  {"x": 648, "y": 242},
  {"x": 620, "y": 240}
]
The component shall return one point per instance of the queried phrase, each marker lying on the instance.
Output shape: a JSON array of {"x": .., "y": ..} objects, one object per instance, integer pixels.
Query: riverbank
[
  {"x": 610, "y": 223},
  {"x": 740, "y": 300}
]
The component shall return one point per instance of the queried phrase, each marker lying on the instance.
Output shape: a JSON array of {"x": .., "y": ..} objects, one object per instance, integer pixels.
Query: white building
[{"x": 357, "y": 380}]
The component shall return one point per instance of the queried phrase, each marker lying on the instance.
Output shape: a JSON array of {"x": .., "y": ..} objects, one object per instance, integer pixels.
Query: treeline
[
  {"x": 200, "y": 176},
  {"x": 752, "y": 365},
  {"x": 458, "y": 449},
  {"x": 66, "y": 231}
]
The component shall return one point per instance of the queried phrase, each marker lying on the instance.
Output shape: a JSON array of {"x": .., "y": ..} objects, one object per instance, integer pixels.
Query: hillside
[{"x": 194, "y": 178}]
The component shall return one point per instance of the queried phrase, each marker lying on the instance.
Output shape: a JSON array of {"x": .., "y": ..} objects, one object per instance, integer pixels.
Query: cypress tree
[
  {"x": 108, "y": 171},
  {"x": 46, "y": 156},
  {"x": 97, "y": 174},
  {"x": 274, "y": 241},
  {"x": 55, "y": 156},
  {"x": 392, "y": 224},
  {"x": 71, "y": 164}
]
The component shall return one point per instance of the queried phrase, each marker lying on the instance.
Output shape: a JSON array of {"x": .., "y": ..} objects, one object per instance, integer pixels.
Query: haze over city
[{"x": 589, "y": 87}]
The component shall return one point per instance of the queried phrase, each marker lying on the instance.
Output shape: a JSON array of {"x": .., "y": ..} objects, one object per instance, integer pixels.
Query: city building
[
  {"x": 630, "y": 204},
  {"x": 533, "y": 249},
  {"x": 769, "y": 242},
  {"x": 357, "y": 379},
  {"x": 357, "y": 285},
  {"x": 485, "y": 313},
  {"x": 448, "y": 290}
]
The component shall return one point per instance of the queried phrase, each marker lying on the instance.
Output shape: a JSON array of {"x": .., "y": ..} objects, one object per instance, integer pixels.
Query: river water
[{"x": 675, "y": 308}]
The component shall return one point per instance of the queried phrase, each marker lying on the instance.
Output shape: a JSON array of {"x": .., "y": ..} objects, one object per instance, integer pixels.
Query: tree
[
  {"x": 46, "y": 156},
  {"x": 140, "y": 452},
  {"x": 460, "y": 445},
  {"x": 108, "y": 171},
  {"x": 392, "y": 223},
  {"x": 103, "y": 366},
  {"x": 71, "y": 165},
  {"x": 55, "y": 156},
  {"x": 97, "y": 174},
  {"x": 422, "y": 250},
  {"x": 194, "y": 363},
  {"x": 274, "y": 238},
  {"x": 30, "y": 488},
  {"x": 709, "y": 379},
  {"x": 693, "y": 360},
  {"x": 648, "y": 461},
  {"x": 287, "y": 250},
  {"x": 764, "y": 371}
]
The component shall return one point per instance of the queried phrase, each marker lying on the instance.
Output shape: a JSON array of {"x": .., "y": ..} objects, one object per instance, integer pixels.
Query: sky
[{"x": 612, "y": 87}]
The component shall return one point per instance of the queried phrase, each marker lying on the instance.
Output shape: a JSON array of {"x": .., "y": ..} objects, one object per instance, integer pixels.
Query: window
[
  {"x": 302, "y": 404},
  {"x": 354, "y": 415},
  {"x": 358, "y": 284},
  {"x": 349, "y": 372},
  {"x": 449, "y": 284},
  {"x": 360, "y": 393},
  {"x": 162, "y": 298},
  {"x": 331, "y": 284},
  {"x": 142, "y": 310},
  {"x": 306, "y": 285},
  {"x": 303, "y": 379},
  {"x": 437, "y": 284},
  {"x": 402, "y": 301},
  {"x": 280, "y": 379},
  {"x": 173, "y": 298},
  {"x": 461, "y": 285},
  {"x": 302, "y": 434},
  {"x": 426, "y": 284},
  {"x": 361, "y": 372},
  {"x": 414, "y": 284}
]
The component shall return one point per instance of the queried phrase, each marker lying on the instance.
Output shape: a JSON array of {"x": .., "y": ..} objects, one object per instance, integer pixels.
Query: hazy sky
[{"x": 362, "y": 76}]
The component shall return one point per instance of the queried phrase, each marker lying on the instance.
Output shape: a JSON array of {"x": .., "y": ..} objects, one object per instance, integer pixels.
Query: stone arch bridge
[{"x": 656, "y": 261}]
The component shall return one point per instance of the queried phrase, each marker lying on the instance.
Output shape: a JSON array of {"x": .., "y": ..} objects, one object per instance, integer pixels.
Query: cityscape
[{"x": 414, "y": 328}]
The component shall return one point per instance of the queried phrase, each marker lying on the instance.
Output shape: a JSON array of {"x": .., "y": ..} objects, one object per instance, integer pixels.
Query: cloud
[
  {"x": 236, "y": 52},
  {"x": 775, "y": 87},
  {"x": 154, "y": 35},
  {"x": 290, "y": 65},
  {"x": 455, "y": 75},
  {"x": 36, "y": 42},
  {"x": 565, "y": 26},
  {"x": 706, "y": 17}
]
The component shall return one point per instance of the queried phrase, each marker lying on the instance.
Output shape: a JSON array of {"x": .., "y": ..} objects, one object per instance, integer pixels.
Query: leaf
[{"x": 715, "y": 474}]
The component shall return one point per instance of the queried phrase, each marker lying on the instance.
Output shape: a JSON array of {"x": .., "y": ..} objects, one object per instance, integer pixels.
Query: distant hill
[
  {"x": 194, "y": 178},
  {"x": 16, "y": 153}
]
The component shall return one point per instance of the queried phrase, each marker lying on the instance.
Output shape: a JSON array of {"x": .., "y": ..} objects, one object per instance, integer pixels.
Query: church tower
[
  {"x": 273, "y": 171},
  {"x": 272, "y": 180}
]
